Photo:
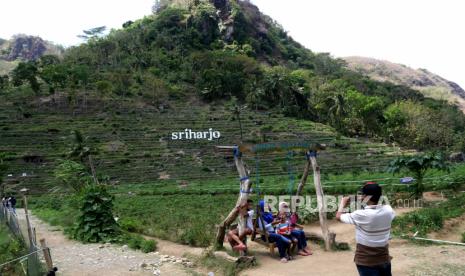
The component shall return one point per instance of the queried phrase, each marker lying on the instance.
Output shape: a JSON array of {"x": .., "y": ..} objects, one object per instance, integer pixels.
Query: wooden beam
[
  {"x": 245, "y": 186},
  {"x": 303, "y": 180},
  {"x": 321, "y": 203},
  {"x": 46, "y": 251}
]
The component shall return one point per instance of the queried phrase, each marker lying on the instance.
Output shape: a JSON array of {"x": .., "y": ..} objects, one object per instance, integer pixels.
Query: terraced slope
[{"x": 135, "y": 146}]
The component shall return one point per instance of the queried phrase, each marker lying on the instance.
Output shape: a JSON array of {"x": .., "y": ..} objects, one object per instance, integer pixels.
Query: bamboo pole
[
  {"x": 245, "y": 186},
  {"x": 28, "y": 223},
  {"x": 48, "y": 258},
  {"x": 303, "y": 180},
  {"x": 321, "y": 202}
]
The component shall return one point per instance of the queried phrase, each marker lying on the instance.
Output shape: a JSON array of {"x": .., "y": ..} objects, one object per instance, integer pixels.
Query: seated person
[
  {"x": 296, "y": 229},
  {"x": 235, "y": 239},
  {"x": 282, "y": 242}
]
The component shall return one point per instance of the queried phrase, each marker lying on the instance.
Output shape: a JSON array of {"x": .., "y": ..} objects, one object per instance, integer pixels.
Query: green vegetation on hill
[
  {"x": 429, "y": 84},
  {"x": 214, "y": 50}
]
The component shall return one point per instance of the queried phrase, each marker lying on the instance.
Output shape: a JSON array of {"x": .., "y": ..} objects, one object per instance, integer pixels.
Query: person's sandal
[
  {"x": 284, "y": 260},
  {"x": 309, "y": 252},
  {"x": 240, "y": 247}
]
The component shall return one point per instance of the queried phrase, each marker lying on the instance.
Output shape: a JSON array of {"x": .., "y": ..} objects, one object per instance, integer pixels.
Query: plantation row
[{"x": 135, "y": 147}]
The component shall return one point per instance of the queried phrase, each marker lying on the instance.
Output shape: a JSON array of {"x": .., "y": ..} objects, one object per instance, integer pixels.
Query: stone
[
  {"x": 156, "y": 272},
  {"x": 124, "y": 248}
]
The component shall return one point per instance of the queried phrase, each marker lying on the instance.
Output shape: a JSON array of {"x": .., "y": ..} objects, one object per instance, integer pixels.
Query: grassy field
[{"x": 189, "y": 215}]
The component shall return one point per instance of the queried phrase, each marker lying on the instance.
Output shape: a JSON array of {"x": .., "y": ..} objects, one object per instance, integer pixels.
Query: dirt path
[
  {"x": 74, "y": 258},
  {"x": 408, "y": 259}
]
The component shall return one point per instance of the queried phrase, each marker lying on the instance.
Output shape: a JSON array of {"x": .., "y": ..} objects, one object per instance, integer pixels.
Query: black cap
[{"x": 372, "y": 189}]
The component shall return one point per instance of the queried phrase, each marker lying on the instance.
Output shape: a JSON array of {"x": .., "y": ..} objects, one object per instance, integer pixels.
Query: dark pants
[
  {"x": 379, "y": 270},
  {"x": 281, "y": 242},
  {"x": 300, "y": 236}
]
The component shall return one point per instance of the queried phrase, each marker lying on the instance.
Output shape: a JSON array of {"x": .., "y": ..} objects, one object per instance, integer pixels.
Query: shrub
[
  {"x": 130, "y": 225},
  {"x": 137, "y": 242},
  {"x": 96, "y": 222},
  {"x": 148, "y": 246}
]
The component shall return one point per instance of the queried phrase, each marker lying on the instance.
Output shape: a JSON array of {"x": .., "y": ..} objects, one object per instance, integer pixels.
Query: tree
[
  {"x": 26, "y": 71},
  {"x": 338, "y": 109},
  {"x": 4, "y": 83},
  {"x": 92, "y": 33},
  {"x": 82, "y": 152},
  {"x": 159, "y": 5},
  {"x": 419, "y": 165},
  {"x": 73, "y": 175}
]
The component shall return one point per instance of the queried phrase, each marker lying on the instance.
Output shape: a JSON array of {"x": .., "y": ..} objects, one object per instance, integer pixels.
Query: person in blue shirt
[{"x": 269, "y": 221}]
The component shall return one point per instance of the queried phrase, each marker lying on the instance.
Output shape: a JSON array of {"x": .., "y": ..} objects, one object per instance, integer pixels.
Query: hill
[
  {"x": 201, "y": 65},
  {"x": 430, "y": 84},
  {"x": 24, "y": 48}
]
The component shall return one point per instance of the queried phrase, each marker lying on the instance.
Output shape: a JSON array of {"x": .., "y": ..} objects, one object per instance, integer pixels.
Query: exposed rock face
[
  {"x": 420, "y": 79},
  {"x": 457, "y": 89},
  {"x": 27, "y": 48}
]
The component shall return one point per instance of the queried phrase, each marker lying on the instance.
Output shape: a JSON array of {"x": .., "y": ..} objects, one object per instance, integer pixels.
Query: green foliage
[
  {"x": 419, "y": 165},
  {"x": 96, "y": 222},
  {"x": 131, "y": 225},
  {"x": 220, "y": 74},
  {"x": 429, "y": 219},
  {"x": 73, "y": 175},
  {"x": 26, "y": 71},
  {"x": 10, "y": 248},
  {"x": 93, "y": 33}
]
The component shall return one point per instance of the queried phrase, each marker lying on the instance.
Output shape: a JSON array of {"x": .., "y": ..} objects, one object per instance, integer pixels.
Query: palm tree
[
  {"x": 337, "y": 109},
  {"x": 419, "y": 165},
  {"x": 82, "y": 152}
]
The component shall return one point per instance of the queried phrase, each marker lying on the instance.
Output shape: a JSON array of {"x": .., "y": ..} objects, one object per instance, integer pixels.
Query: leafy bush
[
  {"x": 96, "y": 222},
  {"x": 429, "y": 219},
  {"x": 10, "y": 248},
  {"x": 148, "y": 246},
  {"x": 137, "y": 242},
  {"x": 130, "y": 225}
]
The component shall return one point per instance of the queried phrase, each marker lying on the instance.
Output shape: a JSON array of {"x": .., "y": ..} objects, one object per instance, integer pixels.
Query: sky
[{"x": 418, "y": 33}]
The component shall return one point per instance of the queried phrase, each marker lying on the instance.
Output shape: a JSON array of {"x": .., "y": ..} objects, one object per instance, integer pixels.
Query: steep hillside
[
  {"x": 24, "y": 48},
  {"x": 430, "y": 84},
  {"x": 201, "y": 65},
  {"x": 27, "y": 47}
]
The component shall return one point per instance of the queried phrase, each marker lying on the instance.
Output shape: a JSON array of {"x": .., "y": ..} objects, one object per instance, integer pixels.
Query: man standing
[
  {"x": 12, "y": 204},
  {"x": 372, "y": 231}
]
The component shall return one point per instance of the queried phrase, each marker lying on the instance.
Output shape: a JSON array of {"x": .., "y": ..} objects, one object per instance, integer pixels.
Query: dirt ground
[
  {"x": 74, "y": 258},
  {"x": 408, "y": 258}
]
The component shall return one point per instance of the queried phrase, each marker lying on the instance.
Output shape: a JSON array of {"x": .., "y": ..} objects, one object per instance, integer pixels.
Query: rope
[
  {"x": 257, "y": 175},
  {"x": 290, "y": 173},
  {"x": 22, "y": 257}
]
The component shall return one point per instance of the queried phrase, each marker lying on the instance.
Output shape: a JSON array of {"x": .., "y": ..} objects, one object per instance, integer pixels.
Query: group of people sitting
[
  {"x": 9, "y": 202},
  {"x": 282, "y": 229}
]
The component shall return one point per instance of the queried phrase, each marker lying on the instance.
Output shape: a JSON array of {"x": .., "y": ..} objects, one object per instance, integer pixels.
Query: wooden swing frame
[{"x": 246, "y": 185}]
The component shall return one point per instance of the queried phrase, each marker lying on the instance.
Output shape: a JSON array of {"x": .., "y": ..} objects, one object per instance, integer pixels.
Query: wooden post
[
  {"x": 321, "y": 202},
  {"x": 245, "y": 186},
  {"x": 28, "y": 223},
  {"x": 303, "y": 180},
  {"x": 48, "y": 258}
]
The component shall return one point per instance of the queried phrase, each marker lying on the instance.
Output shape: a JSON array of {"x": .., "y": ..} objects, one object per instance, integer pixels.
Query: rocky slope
[
  {"x": 24, "y": 47},
  {"x": 430, "y": 84}
]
